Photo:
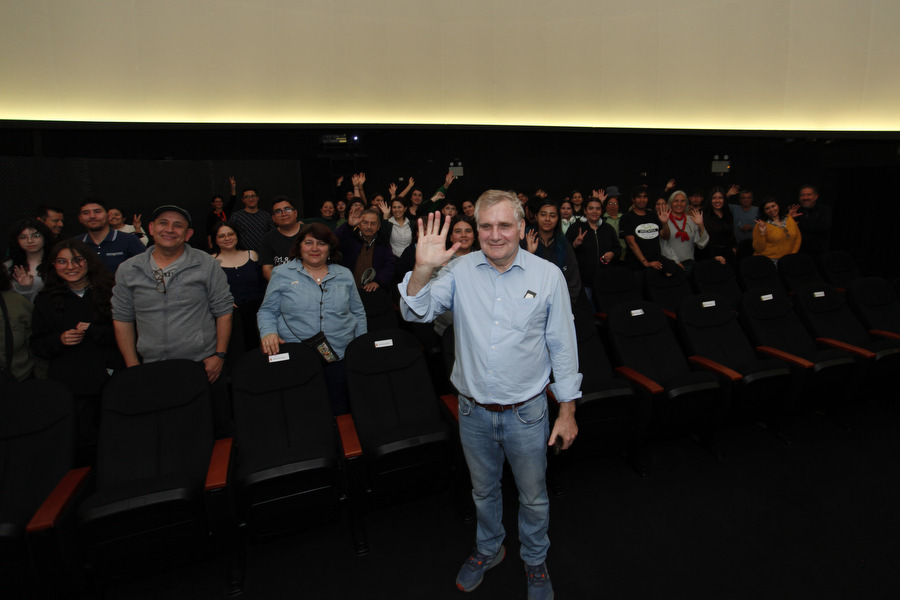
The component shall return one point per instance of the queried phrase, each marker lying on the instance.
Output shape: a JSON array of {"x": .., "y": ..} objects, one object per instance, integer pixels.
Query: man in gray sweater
[{"x": 173, "y": 301}]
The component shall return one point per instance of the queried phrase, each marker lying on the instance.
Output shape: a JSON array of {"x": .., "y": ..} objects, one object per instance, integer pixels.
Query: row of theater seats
[
  {"x": 615, "y": 284},
  {"x": 165, "y": 491},
  {"x": 713, "y": 360}
]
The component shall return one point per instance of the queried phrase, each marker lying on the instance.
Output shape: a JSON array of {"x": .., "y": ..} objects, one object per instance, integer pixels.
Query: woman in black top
[{"x": 73, "y": 330}]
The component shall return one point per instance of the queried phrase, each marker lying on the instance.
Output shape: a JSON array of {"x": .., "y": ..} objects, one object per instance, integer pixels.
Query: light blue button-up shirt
[
  {"x": 297, "y": 308},
  {"x": 511, "y": 328}
]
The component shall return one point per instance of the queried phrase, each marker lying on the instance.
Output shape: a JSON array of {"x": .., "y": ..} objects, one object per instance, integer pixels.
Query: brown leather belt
[{"x": 498, "y": 407}]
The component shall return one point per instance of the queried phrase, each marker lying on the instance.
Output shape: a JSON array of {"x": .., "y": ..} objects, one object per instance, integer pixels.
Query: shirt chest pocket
[{"x": 526, "y": 314}]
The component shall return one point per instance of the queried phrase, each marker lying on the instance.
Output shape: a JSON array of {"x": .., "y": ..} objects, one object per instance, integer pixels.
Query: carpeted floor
[{"x": 817, "y": 519}]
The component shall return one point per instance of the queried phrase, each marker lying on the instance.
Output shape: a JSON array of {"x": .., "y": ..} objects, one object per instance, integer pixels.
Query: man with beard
[{"x": 113, "y": 247}]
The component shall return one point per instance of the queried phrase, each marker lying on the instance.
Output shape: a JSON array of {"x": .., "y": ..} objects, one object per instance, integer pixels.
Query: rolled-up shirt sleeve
[
  {"x": 434, "y": 298},
  {"x": 562, "y": 345}
]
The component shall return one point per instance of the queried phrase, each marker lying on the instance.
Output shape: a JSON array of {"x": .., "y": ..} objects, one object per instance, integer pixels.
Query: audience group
[{"x": 78, "y": 309}]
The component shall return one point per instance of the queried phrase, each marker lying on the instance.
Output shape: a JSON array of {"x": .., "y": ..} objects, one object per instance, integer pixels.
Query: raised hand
[
  {"x": 382, "y": 205},
  {"x": 580, "y": 238},
  {"x": 734, "y": 190},
  {"x": 697, "y": 216},
  {"x": 762, "y": 226},
  {"x": 137, "y": 222},
  {"x": 670, "y": 184},
  {"x": 340, "y": 180},
  {"x": 663, "y": 213},
  {"x": 794, "y": 211},
  {"x": 355, "y": 215},
  {"x": 22, "y": 276},
  {"x": 448, "y": 179},
  {"x": 354, "y": 179},
  {"x": 599, "y": 194},
  {"x": 531, "y": 240},
  {"x": 431, "y": 248},
  {"x": 438, "y": 196},
  {"x": 392, "y": 188},
  {"x": 362, "y": 178}
]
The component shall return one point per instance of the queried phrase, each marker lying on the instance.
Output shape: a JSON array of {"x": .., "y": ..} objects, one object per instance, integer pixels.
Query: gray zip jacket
[{"x": 180, "y": 322}]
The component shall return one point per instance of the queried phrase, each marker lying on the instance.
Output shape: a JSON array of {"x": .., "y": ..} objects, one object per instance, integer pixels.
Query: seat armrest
[
  {"x": 451, "y": 403},
  {"x": 787, "y": 357},
  {"x": 848, "y": 347},
  {"x": 718, "y": 369},
  {"x": 59, "y": 500},
  {"x": 601, "y": 316},
  {"x": 349, "y": 437},
  {"x": 641, "y": 380},
  {"x": 219, "y": 463},
  {"x": 670, "y": 314},
  {"x": 886, "y": 334}
]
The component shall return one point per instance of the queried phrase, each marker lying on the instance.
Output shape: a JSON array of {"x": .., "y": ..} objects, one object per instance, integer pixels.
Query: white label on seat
[
  {"x": 709, "y": 304},
  {"x": 765, "y": 297},
  {"x": 637, "y": 313},
  {"x": 280, "y": 357},
  {"x": 818, "y": 294},
  {"x": 383, "y": 343}
]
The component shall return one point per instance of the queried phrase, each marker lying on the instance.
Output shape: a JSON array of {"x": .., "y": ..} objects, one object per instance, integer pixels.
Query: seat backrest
[
  {"x": 643, "y": 340},
  {"x": 281, "y": 408},
  {"x": 592, "y": 359},
  {"x": 769, "y": 319},
  {"x": 612, "y": 285},
  {"x": 759, "y": 272},
  {"x": 825, "y": 312},
  {"x": 710, "y": 328},
  {"x": 37, "y": 448},
  {"x": 797, "y": 270},
  {"x": 380, "y": 312},
  {"x": 875, "y": 302},
  {"x": 712, "y": 277},
  {"x": 839, "y": 268},
  {"x": 156, "y": 420},
  {"x": 388, "y": 383},
  {"x": 667, "y": 290}
]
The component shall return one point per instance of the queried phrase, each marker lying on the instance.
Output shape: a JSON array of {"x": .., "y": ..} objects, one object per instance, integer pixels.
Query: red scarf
[{"x": 680, "y": 233}]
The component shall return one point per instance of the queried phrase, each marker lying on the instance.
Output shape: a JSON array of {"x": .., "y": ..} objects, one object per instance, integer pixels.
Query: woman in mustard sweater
[{"x": 777, "y": 234}]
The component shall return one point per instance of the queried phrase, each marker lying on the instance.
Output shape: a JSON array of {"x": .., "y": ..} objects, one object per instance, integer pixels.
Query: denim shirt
[
  {"x": 297, "y": 308},
  {"x": 511, "y": 328}
]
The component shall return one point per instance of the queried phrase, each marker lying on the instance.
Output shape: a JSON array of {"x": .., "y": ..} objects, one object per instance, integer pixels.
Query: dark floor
[{"x": 817, "y": 519}]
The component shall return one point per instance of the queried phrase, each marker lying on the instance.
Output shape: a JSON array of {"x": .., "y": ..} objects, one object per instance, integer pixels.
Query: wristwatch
[{"x": 221, "y": 355}]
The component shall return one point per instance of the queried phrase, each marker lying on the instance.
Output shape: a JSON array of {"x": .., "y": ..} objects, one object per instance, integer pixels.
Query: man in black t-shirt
[
  {"x": 276, "y": 245},
  {"x": 641, "y": 229}
]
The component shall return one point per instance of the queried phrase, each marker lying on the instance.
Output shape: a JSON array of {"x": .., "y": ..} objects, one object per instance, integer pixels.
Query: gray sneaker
[
  {"x": 472, "y": 571},
  {"x": 539, "y": 586}
]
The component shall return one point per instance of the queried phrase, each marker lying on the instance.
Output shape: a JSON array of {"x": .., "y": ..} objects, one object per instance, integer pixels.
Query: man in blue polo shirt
[{"x": 113, "y": 247}]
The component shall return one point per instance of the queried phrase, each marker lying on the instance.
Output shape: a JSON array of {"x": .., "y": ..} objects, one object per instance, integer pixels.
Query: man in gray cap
[{"x": 173, "y": 301}]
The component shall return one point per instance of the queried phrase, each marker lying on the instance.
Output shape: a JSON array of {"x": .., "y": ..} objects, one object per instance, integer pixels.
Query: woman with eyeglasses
[
  {"x": 29, "y": 256},
  {"x": 244, "y": 273},
  {"x": 73, "y": 330}
]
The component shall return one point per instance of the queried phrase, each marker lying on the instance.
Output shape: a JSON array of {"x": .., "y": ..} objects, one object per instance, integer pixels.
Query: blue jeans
[{"x": 520, "y": 436}]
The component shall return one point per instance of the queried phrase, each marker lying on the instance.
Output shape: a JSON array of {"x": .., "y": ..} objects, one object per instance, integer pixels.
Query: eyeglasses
[
  {"x": 222, "y": 236},
  {"x": 160, "y": 278},
  {"x": 288, "y": 210},
  {"x": 76, "y": 261},
  {"x": 30, "y": 236}
]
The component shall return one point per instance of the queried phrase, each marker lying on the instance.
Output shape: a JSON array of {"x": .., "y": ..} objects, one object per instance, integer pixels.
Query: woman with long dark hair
[
  {"x": 244, "y": 275},
  {"x": 73, "y": 330},
  {"x": 29, "y": 256}
]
